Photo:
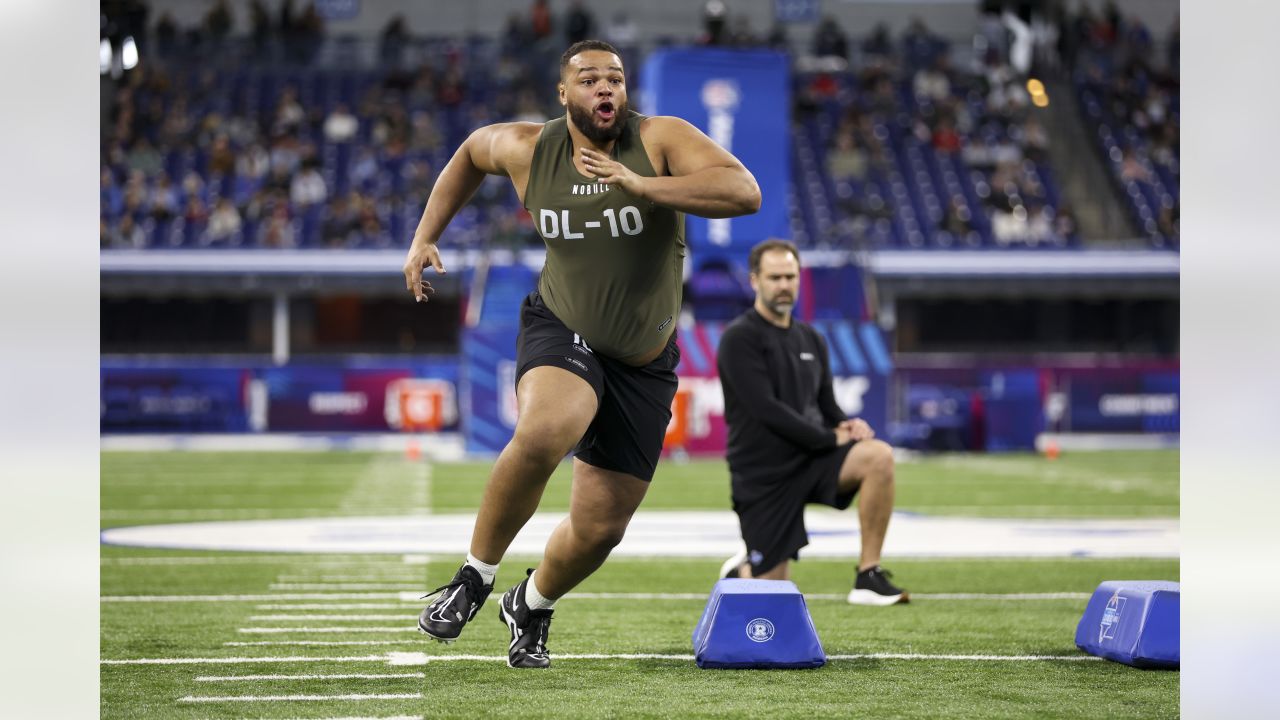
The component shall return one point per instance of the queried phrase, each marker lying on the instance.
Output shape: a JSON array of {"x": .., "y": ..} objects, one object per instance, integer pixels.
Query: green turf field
[{"x": 321, "y": 636}]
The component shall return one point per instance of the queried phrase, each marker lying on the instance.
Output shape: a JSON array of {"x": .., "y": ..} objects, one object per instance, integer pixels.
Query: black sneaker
[
  {"x": 459, "y": 601},
  {"x": 873, "y": 588},
  {"x": 528, "y": 628}
]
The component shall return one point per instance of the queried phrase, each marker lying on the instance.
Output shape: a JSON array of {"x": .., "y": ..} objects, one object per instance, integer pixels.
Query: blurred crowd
[{"x": 255, "y": 147}]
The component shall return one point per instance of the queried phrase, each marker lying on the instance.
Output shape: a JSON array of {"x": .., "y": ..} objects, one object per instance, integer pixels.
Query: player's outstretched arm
[
  {"x": 705, "y": 179},
  {"x": 491, "y": 150}
]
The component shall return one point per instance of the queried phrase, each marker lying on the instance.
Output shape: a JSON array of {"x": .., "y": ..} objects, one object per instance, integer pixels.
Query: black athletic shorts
[
  {"x": 773, "y": 522},
  {"x": 634, "y": 402}
]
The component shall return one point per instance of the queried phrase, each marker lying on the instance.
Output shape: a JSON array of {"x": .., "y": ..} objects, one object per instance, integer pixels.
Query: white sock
[
  {"x": 487, "y": 572},
  {"x": 535, "y": 599}
]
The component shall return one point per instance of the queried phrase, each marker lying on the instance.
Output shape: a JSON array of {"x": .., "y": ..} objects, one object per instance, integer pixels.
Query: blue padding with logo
[
  {"x": 756, "y": 624},
  {"x": 1134, "y": 622}
]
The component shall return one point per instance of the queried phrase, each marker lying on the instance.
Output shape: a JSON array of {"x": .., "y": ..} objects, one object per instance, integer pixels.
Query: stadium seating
[{"x": 160, "y": 162}]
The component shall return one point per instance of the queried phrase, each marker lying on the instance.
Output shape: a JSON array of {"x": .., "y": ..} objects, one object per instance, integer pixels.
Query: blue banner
[{"x": 742, "y": 100}]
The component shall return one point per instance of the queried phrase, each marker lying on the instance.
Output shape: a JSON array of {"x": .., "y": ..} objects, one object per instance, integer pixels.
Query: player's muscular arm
[
  {"x": 501, "y": 149},
  {"x": 704, "y": 179}
]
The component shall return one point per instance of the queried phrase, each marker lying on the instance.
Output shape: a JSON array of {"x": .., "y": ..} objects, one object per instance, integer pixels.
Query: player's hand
[
  {"x": 612, "y": 172},
  {"x": 858, "y": 429},
  {"x": 421, "y": 254},
  {"x": 842, "y": 434}
]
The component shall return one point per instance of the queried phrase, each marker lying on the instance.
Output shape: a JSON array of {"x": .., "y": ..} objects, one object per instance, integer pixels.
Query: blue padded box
[
  {"x": 756, "y": 624},
  {"x": 1134, "y": 622}
]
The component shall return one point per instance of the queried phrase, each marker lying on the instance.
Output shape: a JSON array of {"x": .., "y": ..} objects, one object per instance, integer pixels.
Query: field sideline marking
[
  {"x": 414, "y": 597},
  {"x": 299, "y": 698},
  {"x": 279, "y": 630},
  {"x": 318, "y": 643},
  {"x": 389, "y": 585},
  {"x": 384, "y": 616},
  {"x": 339, "y": 606},
  {"x": 414, "y": 658},
  {"x": 345, "y": 676}
]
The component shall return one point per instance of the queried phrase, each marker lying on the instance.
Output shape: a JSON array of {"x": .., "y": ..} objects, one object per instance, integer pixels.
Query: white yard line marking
[
  {"x": 345, "y": 676},
  {"x": 414, "y": 597},
  {"x": 249, "y": 598},
  {"x": 299, "y": 698},
  {"x": 981, "y": 658},
  {"x": 245, "y": 513},
  {"x": 338, "y": 606},
  {"x": 416, "y": 658},
  {"x": 294, "y": 558},
  {"x": 281, "y": 630},
  {"x": 415, "y": 559},
  {"x": 364, "y": 578},
  {"x": 319, "y": 643},
  {"x": 305, "y": 617},
  {"x": 340, "y": 585},
  {"x": 244, "y": 660}
]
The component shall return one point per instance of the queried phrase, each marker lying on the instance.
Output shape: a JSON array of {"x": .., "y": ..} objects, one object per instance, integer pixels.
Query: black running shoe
[
  {"x": 459, "y": 601},
  {"x": 528, "y": 628},
  {"x": 873, "y": 588}
]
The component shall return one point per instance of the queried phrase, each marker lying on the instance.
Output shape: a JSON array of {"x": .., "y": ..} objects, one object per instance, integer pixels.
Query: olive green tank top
[{"x": 615, "y": 262}]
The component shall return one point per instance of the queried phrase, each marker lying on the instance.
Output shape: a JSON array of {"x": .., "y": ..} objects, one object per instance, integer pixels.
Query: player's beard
[
  {"x": 584, "y": 119},
  {"x": 781, "y": 306}
]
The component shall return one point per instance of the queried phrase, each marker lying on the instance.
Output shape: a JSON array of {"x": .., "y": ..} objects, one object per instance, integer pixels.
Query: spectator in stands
[
  {"x": 253, "y": 163},
  {"x": 829, "y": 40},
  {"x": 713, "y": 20},
  {"x": 217, "y": 23},
  {"x": 135, "y": 196},
  {"x": 527, "y": 109},
  {"x": 144, "y": 158},
  {"x": 419, "y": 178},
  {"x": 740, "y": 34},
  {"x": 540, "y": 20},
  {"x": 622, "y": 32},
  {"x": 341, "y": 126},
  {"x": 127, "y": 234},
  {"x": 289, "y": 114},
  {"x": 424, "y": 135},
  {"x": 1039, "y": 227},
  {"x": 222, "y": 157},
  {"x": 790, "y": 444},
  {"x": 166, "y": 34},
  {"x": 364, "y": 168},
  {"x": 1034, "y": 140},
  {"x": 339, "y": 221},
  {"x": 1167, "y": 221},
  {"x": 1064, "y": 223},
  {"x": 919, "y": 46},
  {"x": 163, "y": 199},
  {"x": 578, "y": 23},
  {"x": 956, "y": 218},
  {"x": 452, "y": 88},
  {"x": 110, "y": 197},
  {"x": 308, "y": 187},
  {"x": 1132, "y": 168},
  {"x": 260, "y": 29},
  {"x": 945, "y": 138},
  {"x": 278, "y": 231},
  {"x": 847, "y": 159},
  {"x": 195, "y": 213},
  {"x": 878, "y": 44},
  {"x": 932, "y": 83},
  {"x": 395, "y": 36},
  {"x": 224, "y": 222}
]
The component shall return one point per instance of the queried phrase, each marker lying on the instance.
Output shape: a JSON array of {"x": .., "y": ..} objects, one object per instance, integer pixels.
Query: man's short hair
[
  {"x": 583, "y": 46},
  {"x": 772, "y": 244}
]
